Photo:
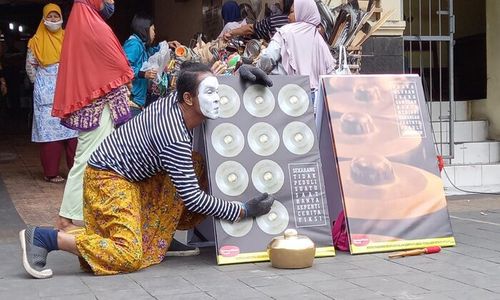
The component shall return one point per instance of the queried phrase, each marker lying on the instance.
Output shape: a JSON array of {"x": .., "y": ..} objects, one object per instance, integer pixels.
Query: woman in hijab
[
  {"x": 42, "y": 64},
  {"x": 91, "y": 93},
  {"x": 231, "y": 14},
  {"x": 138, "y": 48},
  {"x": 298, "y": 48}
]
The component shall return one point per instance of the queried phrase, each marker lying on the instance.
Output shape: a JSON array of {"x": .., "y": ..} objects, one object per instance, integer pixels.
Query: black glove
[
  {"x": 254, "y": 75},
  {"x": 258, "y": 206}
]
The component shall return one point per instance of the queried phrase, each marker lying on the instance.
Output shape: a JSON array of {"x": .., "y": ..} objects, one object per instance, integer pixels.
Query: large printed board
[
  {"x": 265, "y": 141},
  {"x": 386, "y": 165}
]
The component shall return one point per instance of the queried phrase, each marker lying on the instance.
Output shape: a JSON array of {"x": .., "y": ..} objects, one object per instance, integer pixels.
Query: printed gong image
[
  {"x": 376, "y": 188},
  {"x": 229, "y": 101},
  {"x": 259, "y": 101},
  {"x": 231, "y": 178},
  {"x": 263, "y": 139},
  {"x": 237, "y": 229},
  {"x": 293, "y": 100},
  {"x": 276, "y": 221},
  {"x": 227, "y": 140},
  {"x": 267, "y": 176},
  {"x": 265, "y": 142},
  {"x": 298, "y": 138},
  {"x": 355, "y": 132}
]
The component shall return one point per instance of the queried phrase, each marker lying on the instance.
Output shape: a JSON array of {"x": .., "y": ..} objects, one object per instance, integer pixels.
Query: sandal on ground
[
  {"x": 34, "y": 258},
  {"x": 55, "y": 179},
  {"x": 177, "y": 248}
]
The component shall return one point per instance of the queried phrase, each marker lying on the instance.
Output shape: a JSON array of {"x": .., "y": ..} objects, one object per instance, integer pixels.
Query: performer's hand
[
  {"x": 254, "y": 75},
  {"x": 258, "y": 206}
]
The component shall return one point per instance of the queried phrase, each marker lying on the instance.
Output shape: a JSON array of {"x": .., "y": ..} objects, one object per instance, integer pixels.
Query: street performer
[{"x": 142, "y": 184}]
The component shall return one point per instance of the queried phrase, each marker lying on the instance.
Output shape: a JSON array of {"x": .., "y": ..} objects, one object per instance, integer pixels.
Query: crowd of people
[{"x": 134, "y": 178}]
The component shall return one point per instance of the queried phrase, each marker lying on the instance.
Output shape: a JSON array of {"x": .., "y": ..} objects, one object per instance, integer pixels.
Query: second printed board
[
  {"x": 386, "y": 163},
  {"x": 265, "y": 141}
]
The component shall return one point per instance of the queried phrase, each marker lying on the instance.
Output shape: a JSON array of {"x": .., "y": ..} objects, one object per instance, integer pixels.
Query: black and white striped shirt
[
  {"x": 267, "y": 27},
  {"x": 158, "y": 140}
]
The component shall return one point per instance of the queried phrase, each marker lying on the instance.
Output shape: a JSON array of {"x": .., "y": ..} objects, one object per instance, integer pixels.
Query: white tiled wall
[
  {"x": 465, "y": 131},
  {"x": 476, "y": 153},
  {"x": 448, "y": 174},
  {"x": 472, "y": 176},
  {"x": 461, "y": 110},
  {"x": 479, "y": 131},
  {"x": 490, "y": 175},
  {"x": 440, "y": 110},
  {"x": 468, "y": 175},
  {"x": 458, "y": 157},
  {"x": 494, "y": 152},
  {"x": 440, "y": 136},
  {"x": 476, "y": 163},
  {"x": 487, "y": 152}
]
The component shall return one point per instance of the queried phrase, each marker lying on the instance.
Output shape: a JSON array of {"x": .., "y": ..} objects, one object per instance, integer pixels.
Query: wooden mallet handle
[{"x": 427, "y": 250}]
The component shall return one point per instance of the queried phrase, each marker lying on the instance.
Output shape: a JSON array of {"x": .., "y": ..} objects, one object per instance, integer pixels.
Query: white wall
[{"x": 490, "y": 108}]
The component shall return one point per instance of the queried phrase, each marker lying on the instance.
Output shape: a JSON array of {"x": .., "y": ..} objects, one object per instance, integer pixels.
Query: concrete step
[
  {"x": 441, "y": 110},
  {"x": 471, "y": 176},
  {"x": 486, "y": 152},
  {"x": 465, "y": 131},
  {"x": 452, "y": 191}
]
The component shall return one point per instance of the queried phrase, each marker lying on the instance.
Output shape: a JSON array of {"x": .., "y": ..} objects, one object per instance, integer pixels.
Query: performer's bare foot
[{"x": 66, "y": 225}]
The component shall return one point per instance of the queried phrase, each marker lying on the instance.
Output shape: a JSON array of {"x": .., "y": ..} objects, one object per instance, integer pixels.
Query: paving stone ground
[{"x": 471, "y": 270}]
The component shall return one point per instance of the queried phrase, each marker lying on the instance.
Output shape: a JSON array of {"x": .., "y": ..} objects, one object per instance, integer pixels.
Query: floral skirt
[{"x": 129, "y": 225}]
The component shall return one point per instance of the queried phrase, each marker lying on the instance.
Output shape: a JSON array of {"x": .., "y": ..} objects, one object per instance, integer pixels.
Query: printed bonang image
[{"x": 391, "y": 189}]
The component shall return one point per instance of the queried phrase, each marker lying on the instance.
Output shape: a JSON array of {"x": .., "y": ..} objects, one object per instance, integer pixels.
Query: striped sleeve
[
  {"x": 266, "y": 28},
  {"x": 262, "y": 29},
  {"x": 177, "y": 161}
]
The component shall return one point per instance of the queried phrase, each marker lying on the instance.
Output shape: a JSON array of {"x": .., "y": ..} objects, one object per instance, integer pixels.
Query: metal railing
[{"x": 429, "y": 52}]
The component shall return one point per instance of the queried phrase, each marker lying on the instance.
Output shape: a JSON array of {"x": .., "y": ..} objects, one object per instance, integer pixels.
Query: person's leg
[
  {"x": 71, "y": 206},
  {"x": 161, "y": 212},
  {"x": 112, "y": 241},
  {"x": 37, "y": 242},
  {"x": 128, "y": 226},
  {"x": 141, "y": 219},
  {"x": 70, "y": 150},
  {"x": 124, "y": 254},
  {"x": 67, "y": 242},
  {"x": 50, "y": 155}
]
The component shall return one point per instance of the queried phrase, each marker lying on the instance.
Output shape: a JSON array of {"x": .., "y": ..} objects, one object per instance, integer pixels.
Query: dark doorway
[{"x": 19, "y": 20}]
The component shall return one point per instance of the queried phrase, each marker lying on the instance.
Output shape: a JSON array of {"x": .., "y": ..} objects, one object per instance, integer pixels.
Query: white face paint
[{"x": 208, "y": 97}]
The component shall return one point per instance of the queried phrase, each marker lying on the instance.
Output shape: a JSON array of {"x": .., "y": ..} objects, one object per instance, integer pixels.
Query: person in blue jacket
[{"x": 138, "y": 48}]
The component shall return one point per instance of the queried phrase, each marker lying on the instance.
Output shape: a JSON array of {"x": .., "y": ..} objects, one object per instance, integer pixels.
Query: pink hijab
[
  {"x": 303, "y": 50},
  {"x": 92, "y": 60}
]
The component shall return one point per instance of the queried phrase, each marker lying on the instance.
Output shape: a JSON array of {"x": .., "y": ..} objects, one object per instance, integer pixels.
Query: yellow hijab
[{"x": 46, "y": 45}]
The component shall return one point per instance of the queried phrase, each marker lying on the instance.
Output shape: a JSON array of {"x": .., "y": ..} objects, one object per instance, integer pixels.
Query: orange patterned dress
[{"x": 129, "y": 225}]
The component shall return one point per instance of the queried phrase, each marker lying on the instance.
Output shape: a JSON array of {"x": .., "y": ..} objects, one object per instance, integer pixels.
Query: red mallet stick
[{"x": 427, "y": 250}]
